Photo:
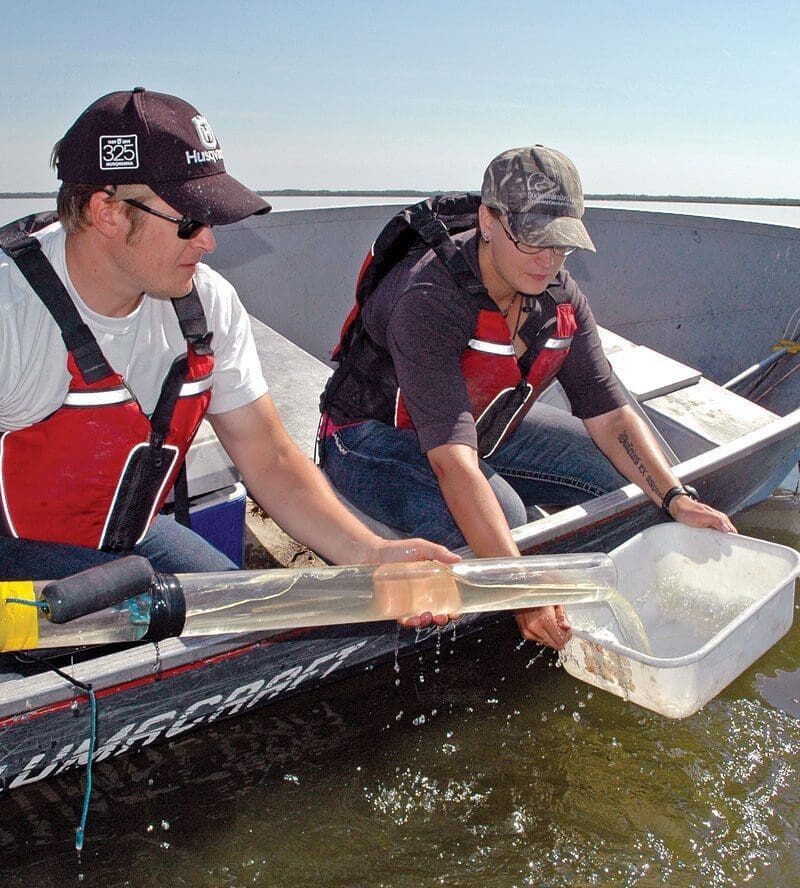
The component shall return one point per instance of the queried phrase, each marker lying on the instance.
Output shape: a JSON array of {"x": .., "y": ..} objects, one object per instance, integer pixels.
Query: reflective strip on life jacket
[
  {"x": 95, "y": 399},
  {"x": 189, "y": 389},
  {"x": 492, "y": 348},
  {"x": 7, "y": 524},
  {"x": 121, "y": 395},
  {"x": 556, "y": 344},
  {"x": 401, "y": 418}
]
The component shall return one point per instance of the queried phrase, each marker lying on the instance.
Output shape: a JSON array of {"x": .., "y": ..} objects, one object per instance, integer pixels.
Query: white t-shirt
[{"x": 141, "y": 347}]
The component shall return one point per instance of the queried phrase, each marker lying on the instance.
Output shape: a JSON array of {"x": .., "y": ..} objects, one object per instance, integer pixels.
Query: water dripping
[
  {"x": 397, "y": 649},
  {"x": 396, "y": 666}
]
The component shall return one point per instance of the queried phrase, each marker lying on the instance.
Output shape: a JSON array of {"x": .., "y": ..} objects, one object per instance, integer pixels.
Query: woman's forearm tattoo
[{"x": 634, "y": 457}]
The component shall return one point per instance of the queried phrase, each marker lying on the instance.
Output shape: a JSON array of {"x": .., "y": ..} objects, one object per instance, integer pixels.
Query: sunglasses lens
[{"x": 188, "y": 228}]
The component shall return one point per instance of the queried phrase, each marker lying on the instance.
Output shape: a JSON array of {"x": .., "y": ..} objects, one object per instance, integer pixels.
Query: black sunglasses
[
  {"x": 531, "y": 250},
  {"x": 187, "y": 228}
]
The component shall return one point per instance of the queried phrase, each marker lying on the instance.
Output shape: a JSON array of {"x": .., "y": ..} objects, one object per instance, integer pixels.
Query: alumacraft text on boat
[{"x": 175, "y": 722}]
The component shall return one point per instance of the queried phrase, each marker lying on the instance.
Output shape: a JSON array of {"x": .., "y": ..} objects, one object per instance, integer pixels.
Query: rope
[
  {"x": 80, "y": 832},
  {"x": 42, "y": 605},
  {"x": 792, "y": 347},
  {"x": 789, "y": 332},
  {"x": 788, "y": 345}
]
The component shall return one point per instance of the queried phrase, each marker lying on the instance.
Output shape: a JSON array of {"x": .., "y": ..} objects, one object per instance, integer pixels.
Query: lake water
[
  {"x": 14, "y": 208},
  {"x": 486, "y": 766},
  {"x": 480, "y": 764},
  {"x": 772, "y": 215}
]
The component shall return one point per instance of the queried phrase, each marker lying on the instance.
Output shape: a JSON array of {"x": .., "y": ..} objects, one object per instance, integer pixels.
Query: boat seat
[
  {"x": 645, "y": 373},
  {"x": 692, "y": 412}
]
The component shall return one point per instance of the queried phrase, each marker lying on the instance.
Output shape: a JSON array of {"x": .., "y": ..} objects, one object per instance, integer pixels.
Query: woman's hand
[{"x": 546, "y": 625}]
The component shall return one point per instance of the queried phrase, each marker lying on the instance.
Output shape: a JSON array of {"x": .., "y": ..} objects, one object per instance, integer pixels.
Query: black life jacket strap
[
  {"x": 194, "y": 327},
  {"x": 26, "y": 251},
  {"x": 433, "y": 231},
  {"x": 192, "y": 320},
  {"x": 181, "y": 505},
  {"x": 161, "y": 417}
]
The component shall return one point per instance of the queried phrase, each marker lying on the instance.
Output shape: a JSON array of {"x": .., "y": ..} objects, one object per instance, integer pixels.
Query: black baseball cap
[{"x": 149, "y": 138}]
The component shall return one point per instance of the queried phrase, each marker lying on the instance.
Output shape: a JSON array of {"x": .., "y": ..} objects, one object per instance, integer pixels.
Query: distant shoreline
[{"x": 411, "y": 192}]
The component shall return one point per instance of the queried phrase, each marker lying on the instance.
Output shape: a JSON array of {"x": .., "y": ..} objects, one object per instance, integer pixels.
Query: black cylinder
[
  {"x": 167, "y": 609},
  {"x": 97, "y": 588}
]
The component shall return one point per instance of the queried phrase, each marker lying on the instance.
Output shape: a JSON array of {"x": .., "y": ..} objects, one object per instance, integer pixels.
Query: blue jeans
[
  {"x": 549, "y": 460},
  {"x": 170, "y": 547}
]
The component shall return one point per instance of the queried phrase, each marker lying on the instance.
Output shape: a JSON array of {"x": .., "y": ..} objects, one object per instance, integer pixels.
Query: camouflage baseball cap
[{"x": 539, "y": 193}]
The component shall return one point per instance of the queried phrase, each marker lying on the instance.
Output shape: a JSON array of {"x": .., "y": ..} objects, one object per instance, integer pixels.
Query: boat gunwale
[{"x": 574, "y": 518}]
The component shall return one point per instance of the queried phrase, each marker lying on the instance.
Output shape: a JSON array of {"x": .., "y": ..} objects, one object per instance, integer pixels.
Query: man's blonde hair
[{"x": 73, "y": 199}]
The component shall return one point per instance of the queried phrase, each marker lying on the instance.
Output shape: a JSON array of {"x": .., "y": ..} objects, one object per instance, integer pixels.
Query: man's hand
[
  {"x": 387, "y": 551},
  {"x": 422, "y": 594},
  {"x": 547, "y": 625}
]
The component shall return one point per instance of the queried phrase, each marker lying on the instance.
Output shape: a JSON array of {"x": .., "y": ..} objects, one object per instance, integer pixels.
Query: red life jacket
[
  {"x": 96, "y": 472},
  {"x": 500, "y": 392}
]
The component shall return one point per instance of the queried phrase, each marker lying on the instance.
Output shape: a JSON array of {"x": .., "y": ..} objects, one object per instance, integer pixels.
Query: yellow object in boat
[{"x": 19, "y": 623}]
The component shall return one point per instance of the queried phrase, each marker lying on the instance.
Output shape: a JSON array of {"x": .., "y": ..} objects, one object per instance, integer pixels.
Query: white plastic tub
[{"x": 710, "y": 603}]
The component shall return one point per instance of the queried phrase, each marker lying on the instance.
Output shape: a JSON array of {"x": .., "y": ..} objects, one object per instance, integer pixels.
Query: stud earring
[{"x": 485, "y": 237}]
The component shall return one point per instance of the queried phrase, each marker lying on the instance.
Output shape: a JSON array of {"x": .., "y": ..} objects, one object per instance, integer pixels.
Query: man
[
  {"x": 107, "y": 366},
  {"x": 429, "y": 423}
]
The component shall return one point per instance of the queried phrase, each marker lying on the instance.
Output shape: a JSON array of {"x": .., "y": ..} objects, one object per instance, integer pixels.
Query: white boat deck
[{"x": 681, "y": 402}]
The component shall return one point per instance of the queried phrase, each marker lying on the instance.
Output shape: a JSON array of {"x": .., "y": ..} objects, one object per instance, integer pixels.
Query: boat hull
[{"x": 170, "y": 694}]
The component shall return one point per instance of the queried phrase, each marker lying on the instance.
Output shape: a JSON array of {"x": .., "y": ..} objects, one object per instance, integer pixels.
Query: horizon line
[{"x": 415, "y": 192}]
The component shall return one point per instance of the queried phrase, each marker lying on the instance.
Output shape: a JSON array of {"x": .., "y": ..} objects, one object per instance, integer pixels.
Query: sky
[{"x": 683, "y": 98}]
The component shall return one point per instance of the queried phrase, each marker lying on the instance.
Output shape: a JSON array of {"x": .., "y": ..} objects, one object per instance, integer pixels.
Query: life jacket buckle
[{"x": 20, "y": 245}]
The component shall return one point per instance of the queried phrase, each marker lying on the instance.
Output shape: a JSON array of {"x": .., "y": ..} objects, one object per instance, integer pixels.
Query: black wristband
[{"x": 681, "y": 490}]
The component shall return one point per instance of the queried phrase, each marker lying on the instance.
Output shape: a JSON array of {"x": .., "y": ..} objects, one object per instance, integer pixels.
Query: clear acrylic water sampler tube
[{"x": 116, "y": 606}]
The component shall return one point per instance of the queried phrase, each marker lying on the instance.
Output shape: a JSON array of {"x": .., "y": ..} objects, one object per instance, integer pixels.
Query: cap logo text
[
  {"x": 539, "y": 186},
  {"x": 119, "y": 152},
  {"x": 204, "y": 132},
  {"x": 195, "y": 156},
  {"x": 542, "y": 191}
]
